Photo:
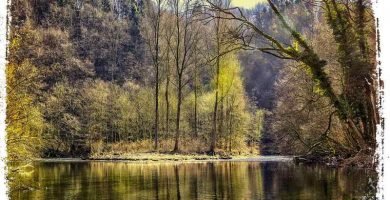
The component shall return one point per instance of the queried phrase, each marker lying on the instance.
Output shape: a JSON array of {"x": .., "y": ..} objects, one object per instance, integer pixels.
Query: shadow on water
[{"x": 203, "y": 180}]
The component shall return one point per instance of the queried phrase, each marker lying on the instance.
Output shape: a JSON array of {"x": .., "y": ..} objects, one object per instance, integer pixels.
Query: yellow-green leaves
[
  {"x": 24, "y": 118},
  {"x": 230, "y": 80}
]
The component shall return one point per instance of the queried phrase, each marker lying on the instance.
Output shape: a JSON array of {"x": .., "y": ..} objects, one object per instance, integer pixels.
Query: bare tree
[
  {"x": 357, "y": 113},
  {"x": 186, "y": 33},
  {"x": 219, "y": 28},
  {"x": 153, "y": 18}
]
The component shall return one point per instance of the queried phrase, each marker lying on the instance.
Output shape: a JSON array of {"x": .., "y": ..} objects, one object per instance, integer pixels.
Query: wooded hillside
[{"x": 91, "y": 77}]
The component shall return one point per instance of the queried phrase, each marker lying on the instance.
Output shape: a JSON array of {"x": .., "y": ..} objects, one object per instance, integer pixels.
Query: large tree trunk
[
  {"x": 167, "y": 106},
  {"x": 196, "y": 99},
  {"x": 196, "y": 113},
  {"x": 179, "y": 102},
  {"x": 157, "y": 63},
  {"x": 215, "y": 112},
  {"x": 156, "y": 112},
  {"x": 214, "y": 129},
  {"x": 215, "y": 120},
  {"x": 179, "y": 76}
]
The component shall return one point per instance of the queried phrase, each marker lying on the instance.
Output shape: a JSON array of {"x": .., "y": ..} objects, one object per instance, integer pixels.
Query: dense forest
[{"x": 87, "y": 78}]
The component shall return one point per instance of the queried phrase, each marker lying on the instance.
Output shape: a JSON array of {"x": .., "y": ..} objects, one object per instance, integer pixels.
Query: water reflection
[{"x": 219, "y": 180}]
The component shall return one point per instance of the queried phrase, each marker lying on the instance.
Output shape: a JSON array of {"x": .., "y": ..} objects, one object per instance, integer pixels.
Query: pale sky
[{"x": 246, "y": 3}]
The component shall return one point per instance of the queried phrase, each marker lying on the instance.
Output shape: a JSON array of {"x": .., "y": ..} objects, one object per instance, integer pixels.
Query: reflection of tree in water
[
  {"x": 284, "y": 180},
  {"x": 218, "y": 180},
  {"x": 177, "y": 182}
]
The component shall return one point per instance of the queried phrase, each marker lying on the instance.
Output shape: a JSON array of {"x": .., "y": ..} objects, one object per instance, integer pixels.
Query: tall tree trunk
[
  {"x": 221, "y": 117},
  {"x": 156, "y": 112},
  {"x": 196, "y": 112},
  {"x": 230, "y": 129},
  {"x": 179, "y": 74},
  {"x": 157, "y": 51},
  {"x": 167, "y": 97},
  {"x": 179, "y": 102},
  {"x": 214, "y": 128},
  {"x": 196, "y": 99}
]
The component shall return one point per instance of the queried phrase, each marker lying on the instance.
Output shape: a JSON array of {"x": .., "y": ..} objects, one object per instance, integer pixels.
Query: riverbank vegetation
[{"x": 90, "y": 78}]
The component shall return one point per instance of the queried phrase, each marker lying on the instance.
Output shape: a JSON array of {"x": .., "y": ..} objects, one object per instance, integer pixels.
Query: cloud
[{"x": 246, "y": 3}]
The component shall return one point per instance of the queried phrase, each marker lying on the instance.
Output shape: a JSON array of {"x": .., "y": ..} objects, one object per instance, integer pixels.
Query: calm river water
[{"x": 198, "y": 180}]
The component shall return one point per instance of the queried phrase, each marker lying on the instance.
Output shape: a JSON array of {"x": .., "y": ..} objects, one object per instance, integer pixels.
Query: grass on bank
[{"x": 191, "y": 149}]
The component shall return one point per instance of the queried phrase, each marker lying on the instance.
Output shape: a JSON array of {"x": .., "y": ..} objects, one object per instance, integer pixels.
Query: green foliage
[
  {"x": 25, "y": 123},
  {"x": 79, "y": 83},
  {"x": 234, "y": 113}
]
